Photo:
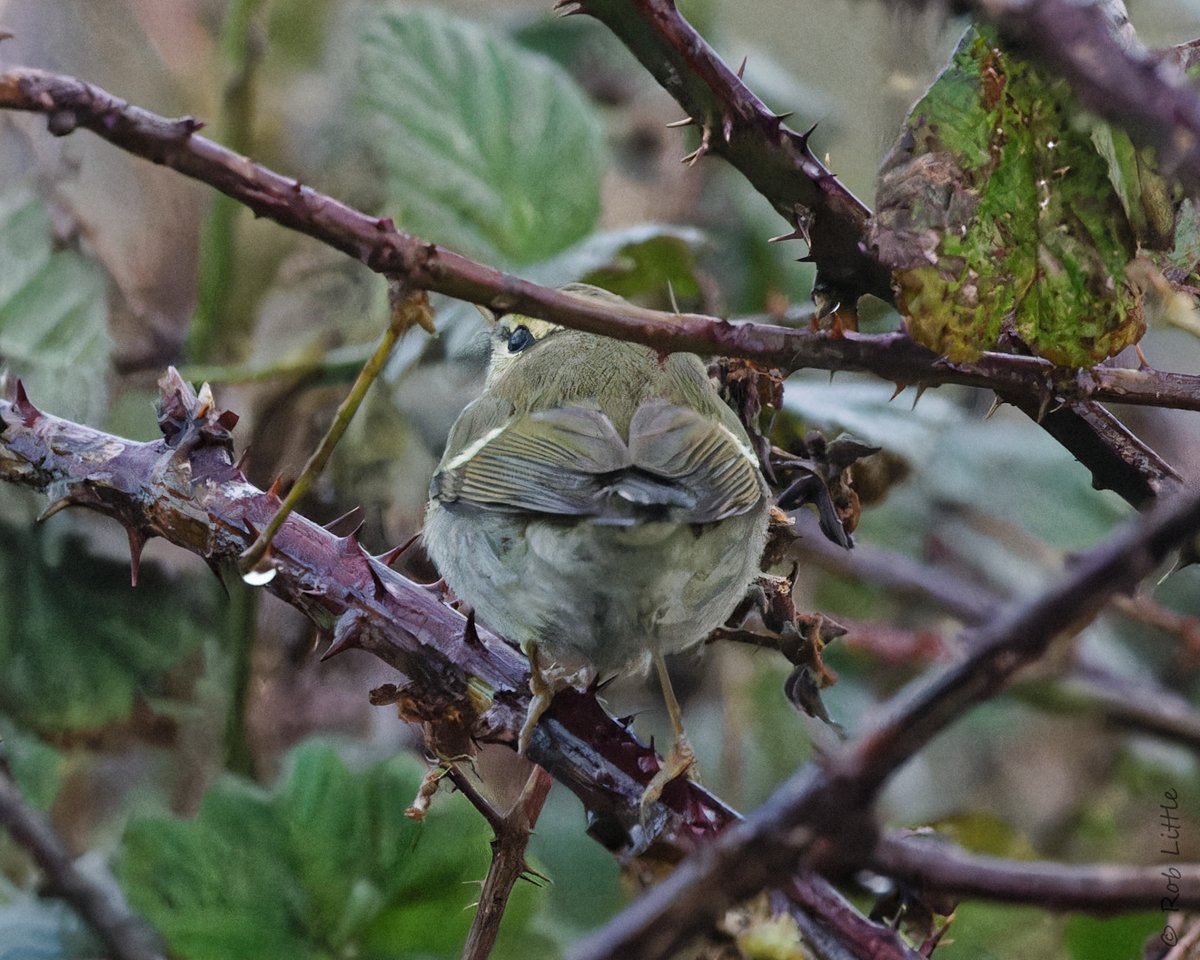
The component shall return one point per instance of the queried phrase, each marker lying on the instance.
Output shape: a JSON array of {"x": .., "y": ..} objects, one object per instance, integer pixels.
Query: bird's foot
[
  {"x": 542, "y": 694},
  {"x": 680, "y": 762},
  {"x": 545, "y": 680}
]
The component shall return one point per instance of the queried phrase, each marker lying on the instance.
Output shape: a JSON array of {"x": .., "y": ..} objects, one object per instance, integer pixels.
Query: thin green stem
[
  {"x": 413, "y": 310},
  {"x": 240, "y": 623},
  {"x": 241, "y": 51},
  {"x": 339, "y": 365}
]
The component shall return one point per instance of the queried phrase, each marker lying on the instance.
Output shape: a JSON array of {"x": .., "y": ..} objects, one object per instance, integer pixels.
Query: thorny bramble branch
[
  {"x": 780, "y": 165},
  {"x": 512, "y": 831},
  {"x": 933, "y": 866},
  {"x": 736, "y": 125},
  {"x": 463, "y": 682},
  {"x": 71, "y": 103},
  {"x": 188, "y": 490},
  {"x": 827, "y": 805},
  {"x": 125, "y": 934},
  {"x": 863, "y": 766},
  {"x": 1118, "y": 459}
]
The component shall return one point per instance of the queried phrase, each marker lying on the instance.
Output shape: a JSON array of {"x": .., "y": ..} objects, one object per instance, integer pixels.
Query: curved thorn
[
  {"x": 60, "y": 504},
  {"x": 345, "y": 636},
  {"x": 136, "y": 541},
  {"x": 796, "y": 234},
  {"x": 1043, "y": 407},
  {"x": 470, "y": 634},
  {"x": 25, "y": 409},
  {"x": 345, "y": 516},
  {"x": 377, "y": 584},
  {"x": 705, "y": 144},
  {"x": 388, "y": 557}
]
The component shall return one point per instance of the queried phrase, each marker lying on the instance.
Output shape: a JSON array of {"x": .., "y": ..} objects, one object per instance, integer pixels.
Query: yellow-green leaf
[{"x": 997, "y": 216}]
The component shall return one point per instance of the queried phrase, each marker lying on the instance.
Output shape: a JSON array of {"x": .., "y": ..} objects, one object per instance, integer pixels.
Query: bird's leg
[
  {"x": 682, "y": 759},
  {"x": 542, "y": 693}
]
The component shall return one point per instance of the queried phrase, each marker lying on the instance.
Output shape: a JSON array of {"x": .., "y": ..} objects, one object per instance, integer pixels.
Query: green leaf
[
  {"x": 1030, "y": 463},
  {"x": 646, "y": 258},
  {"x": 1185, "y": 255},
  {"x": 997, "y": 214},
  {"x": 77, "y": 644},
  {"x": 53, "y": 312},
  {"x": 325, "y": 865},
  {"x": 1142, "y": 191},
  {"x": 37, "y": 767},
  {"x": 481, "y": 145},
  {"x": 629, "y": 261},
  {"x": 865, "y": 408},
  {"x": 1112, "y": 938},
  {"x": 986, "y": 931}
]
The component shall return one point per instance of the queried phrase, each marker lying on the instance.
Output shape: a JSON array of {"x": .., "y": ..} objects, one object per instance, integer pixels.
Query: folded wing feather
[{"x": 572, "y": 462}]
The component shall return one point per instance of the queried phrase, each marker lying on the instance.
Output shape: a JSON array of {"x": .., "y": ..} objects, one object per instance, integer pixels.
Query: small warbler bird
[{"x": 598, "y": 504}]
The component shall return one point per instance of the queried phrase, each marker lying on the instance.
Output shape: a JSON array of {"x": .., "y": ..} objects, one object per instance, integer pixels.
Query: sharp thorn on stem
[
  {"x": 136, "y": 542},
  {"x": 388, "y": 557}
]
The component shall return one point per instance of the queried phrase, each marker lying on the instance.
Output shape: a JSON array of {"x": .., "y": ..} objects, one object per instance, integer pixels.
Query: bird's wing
[
  {"x": 571, "y": 462},
  {"x": 555, "y": 461},
  {"x": 712, "y": 471}
]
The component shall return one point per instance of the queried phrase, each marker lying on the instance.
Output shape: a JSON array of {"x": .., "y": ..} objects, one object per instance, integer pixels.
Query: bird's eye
[{"x": 519, "y": 339}]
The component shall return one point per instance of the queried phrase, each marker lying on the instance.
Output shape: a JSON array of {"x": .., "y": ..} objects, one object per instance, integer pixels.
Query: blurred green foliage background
[{"x": 250, "y": 801}]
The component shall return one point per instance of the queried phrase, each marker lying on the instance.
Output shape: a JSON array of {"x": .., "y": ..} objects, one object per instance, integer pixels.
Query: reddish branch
[
  {"x": 471, "y": 685},
  {"x": 71, "y": 103},
  {"x": 511, "y": 833},
  {"x": 1122, "y": 701},
  {"x": 464, "y": 684},
  {"x": 827, "y": 805},
  {"x": 932, "y": 866},
  {"x": 126, "y": 935},
  {"x": 1117, "y": 459},
  {"x": 203, "y": 503},
  {"x": 187, "y": 489},
  {"x": 736, "y": 125},
  {"x": 778, "y": 163}
]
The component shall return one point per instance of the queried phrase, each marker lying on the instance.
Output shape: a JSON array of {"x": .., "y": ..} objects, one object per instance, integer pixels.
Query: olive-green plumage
[{"x": 598, "y": 500}]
